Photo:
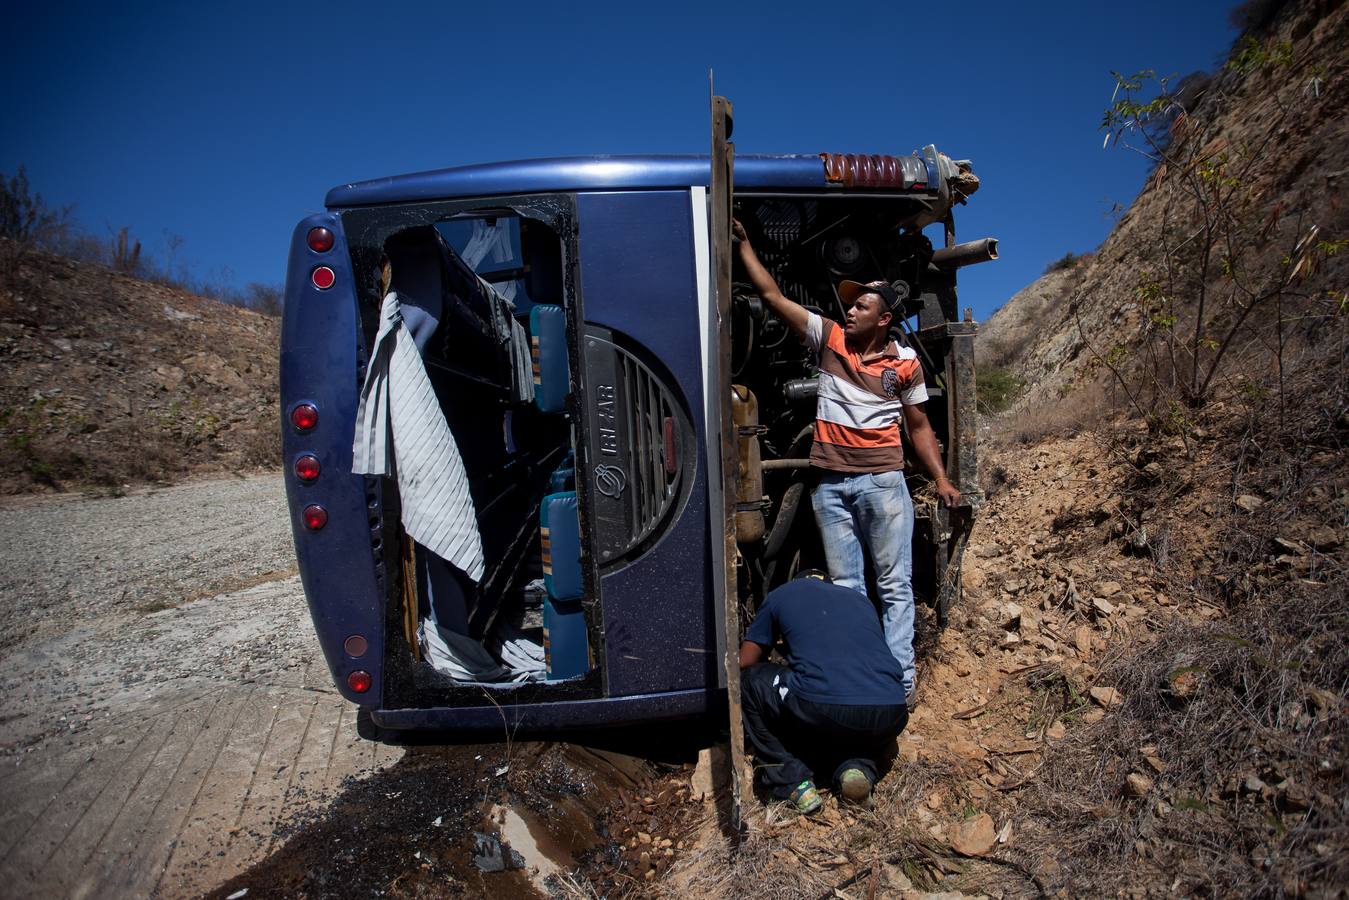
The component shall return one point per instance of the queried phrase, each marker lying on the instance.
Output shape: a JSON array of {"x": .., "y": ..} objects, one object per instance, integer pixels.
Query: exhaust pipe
[{"x": 966, "y": 254}]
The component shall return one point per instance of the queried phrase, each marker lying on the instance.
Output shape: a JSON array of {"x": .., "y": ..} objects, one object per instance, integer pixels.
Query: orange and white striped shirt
[{"x": 861, "y": 401}]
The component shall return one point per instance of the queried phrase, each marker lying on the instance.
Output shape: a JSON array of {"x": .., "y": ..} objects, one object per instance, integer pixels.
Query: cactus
[{"x": 126, "y": 252}]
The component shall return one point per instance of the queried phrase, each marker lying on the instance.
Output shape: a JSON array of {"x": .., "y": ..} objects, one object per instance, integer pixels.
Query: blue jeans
[
  {"x": 795, "y": 739},
  {"x": 872, "y": 510}
]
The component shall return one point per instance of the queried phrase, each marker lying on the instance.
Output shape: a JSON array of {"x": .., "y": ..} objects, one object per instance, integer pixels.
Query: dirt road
[
  {"x": 167, "y": 707},
  {"x": 171, "y": 727}
]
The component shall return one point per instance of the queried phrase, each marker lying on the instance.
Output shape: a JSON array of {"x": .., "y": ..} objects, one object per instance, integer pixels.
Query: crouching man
[{"x": 837, "y": 703}]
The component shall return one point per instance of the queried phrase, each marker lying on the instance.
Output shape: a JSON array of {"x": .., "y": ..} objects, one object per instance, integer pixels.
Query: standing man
[
  {"x": 837, "y": 702},
  {"x": 867, "y": 385}
]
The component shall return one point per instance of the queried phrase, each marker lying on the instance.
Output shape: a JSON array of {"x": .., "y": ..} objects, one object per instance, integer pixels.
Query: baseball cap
[
  {"x": 849, "y": 291},
  {"x": 816, "y": 574}
]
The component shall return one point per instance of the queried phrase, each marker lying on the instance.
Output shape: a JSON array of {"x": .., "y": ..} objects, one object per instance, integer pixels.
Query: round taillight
[
  {"x": 359, "y": 681},
  {"x": 323, "y": 278},
  {"x": 356, "y": 645},
  {"x": 320, "y": 239},
  {"x": 307, "y": 468},
  {"x": 315, "y": 517},
  {"x": 304, "y": 417}
]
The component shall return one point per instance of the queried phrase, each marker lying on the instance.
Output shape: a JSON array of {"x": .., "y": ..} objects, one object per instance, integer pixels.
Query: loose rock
[
  {"x": 1082, "y": 639},
  {"x": 1136, "y": 784},
  {"x": 975, "y": 837},
  {"x": 1106, "y": 696},
  {"x": 1324, "y": 538}
]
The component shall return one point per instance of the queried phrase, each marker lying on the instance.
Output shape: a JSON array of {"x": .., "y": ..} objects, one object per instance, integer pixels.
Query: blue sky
[{"x": 226, "y": 123}]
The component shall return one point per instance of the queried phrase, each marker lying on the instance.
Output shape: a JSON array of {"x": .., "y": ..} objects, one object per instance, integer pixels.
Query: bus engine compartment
[{"x": 809, "y": 245}]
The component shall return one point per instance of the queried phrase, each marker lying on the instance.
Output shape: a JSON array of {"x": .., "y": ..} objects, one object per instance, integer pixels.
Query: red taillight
[
  {"x": 304, "y": 417},
  {"x": 323, "y": 278},
  {"x": 359, "y": 681},
  {"x": 671, "y": 462},
  {"x": 307, "y": 468},
  {"x": 320, "y": 239},
  {"x": 315, "y": 517},
  {"x": 356, "y": 645}
]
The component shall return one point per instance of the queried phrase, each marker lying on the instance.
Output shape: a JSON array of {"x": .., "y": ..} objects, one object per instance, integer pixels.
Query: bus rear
[{"x": 561, "y": 318}]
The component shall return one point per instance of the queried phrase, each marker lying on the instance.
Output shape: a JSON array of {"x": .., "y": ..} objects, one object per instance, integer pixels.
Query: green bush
[
  {"x": 1067, "y": 261},
  {"x": 996, "y": 388}
]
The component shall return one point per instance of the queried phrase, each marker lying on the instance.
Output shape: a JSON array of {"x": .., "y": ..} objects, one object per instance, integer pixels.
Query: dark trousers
[{"x": 794, "y": 738}]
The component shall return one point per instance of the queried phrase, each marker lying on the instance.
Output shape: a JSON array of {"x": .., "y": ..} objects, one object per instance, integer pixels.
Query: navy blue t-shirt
[{"x": 835, "y": 645}]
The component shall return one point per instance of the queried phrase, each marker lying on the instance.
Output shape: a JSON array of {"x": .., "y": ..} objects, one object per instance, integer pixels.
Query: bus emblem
[{"x": 610, "y": 481}]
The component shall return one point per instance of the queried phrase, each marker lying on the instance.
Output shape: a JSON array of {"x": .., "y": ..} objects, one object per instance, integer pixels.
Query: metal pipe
[
  {"x": 966, "y": 254},
  {"x": 800, "y": 390},
  {"x": 749, "y": 517},
  {"x": 791, "y": 499},
  {"x": 772, "y": 465},
  {"x": 782, "y": 525}
]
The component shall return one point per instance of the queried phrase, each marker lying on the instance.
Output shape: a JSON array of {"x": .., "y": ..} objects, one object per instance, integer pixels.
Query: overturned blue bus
[{"x": 627, "y": 427}]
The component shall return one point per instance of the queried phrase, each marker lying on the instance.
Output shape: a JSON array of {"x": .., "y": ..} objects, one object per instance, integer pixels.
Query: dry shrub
[
  {"x": 1218, "y": 710},
  {"x": 1242, "y": 710},
  {"x": 1079, "y": 408},
  {"x": 258, "y": 443}
]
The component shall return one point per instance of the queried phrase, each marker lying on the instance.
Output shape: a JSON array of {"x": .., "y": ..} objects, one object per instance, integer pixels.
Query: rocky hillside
[
  {"x": 1168, "y": 505},
  {"x": 107, "y": 380},
  {"x": 1262, "y": 144},
  {"x": 1018, "y": 323}
]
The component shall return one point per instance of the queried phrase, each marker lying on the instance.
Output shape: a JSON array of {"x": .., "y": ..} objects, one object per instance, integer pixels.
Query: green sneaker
[
  {"x": 805, "y": 798},
  {"x": 854, "y": 785}
]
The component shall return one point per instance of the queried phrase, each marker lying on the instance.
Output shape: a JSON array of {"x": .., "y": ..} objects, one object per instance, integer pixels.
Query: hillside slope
[
  {"x": 1168, "y": 508},
  {"x": 106, "y": 380},
  {"x": 1275, "y": 121}
]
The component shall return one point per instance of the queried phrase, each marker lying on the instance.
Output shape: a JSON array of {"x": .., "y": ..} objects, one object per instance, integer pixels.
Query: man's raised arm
[{"x": 793, "y": 314}]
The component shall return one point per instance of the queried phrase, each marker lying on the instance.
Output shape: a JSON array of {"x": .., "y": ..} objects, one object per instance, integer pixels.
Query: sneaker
[
  {"x": 805, "y": 798},
  {"x": 854, "y": 785},
  {"x": 911, "y": 695}
]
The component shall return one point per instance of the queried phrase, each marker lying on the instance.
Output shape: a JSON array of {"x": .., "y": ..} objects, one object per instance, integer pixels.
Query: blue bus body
[{"x": 632, "y": 271}]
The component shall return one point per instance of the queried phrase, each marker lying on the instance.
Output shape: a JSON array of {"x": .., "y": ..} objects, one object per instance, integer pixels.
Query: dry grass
[
  {"x": 785, "y": 855},
  {"x": 109, "y": 380},
  {"x": 1079, "y": 408},
  {"x": 1236, "y": 722},
  {"x": 1268, "y": 705}
]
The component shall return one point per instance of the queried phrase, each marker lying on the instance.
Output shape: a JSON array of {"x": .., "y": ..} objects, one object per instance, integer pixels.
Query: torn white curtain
[
  {"x": 458, "y": 655},
  {"x": 400, "y": 428}
]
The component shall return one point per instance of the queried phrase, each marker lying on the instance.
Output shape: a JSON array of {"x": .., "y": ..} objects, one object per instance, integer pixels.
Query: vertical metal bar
[
  {"x": 632, "y": 381},
  {"x": 655, "y": 473},
  {"x": 720, "y": 189},
  {"x": 961, "y": 462}
]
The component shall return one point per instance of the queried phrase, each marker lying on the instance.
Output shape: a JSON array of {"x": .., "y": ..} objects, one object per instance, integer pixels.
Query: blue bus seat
[
  {"x": 566, "y": 646},
  {"x": 562, "y": 479},
  {"x": 560, "y": 536},
  {"x": 566, "y": 649},
  {"x": 548, "y": 347}
]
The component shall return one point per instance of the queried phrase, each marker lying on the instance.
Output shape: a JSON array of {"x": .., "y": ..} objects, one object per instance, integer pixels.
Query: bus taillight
[
  {"x": 320, "y": 239},
  {"x": 314, "y": 516},
  {"x": 304, "y": 417},
  {"x": 359, "y": 681},
  {"x": 307, "y": 468}
]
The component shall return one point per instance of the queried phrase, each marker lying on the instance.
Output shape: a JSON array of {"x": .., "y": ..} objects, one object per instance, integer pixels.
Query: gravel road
[
  {"x": 119, "y": 602},
  {"x": 171, "y": 728}
]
